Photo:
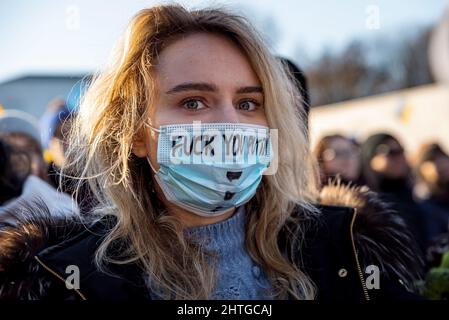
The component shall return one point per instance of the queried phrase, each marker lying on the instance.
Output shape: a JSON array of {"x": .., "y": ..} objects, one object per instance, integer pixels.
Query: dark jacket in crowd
[
  {"x": 353, "y": 231},
  {"x": 396, "y": 191},
  {"x": 401, "y": 199},
  {"x": 437, "y": 213}
]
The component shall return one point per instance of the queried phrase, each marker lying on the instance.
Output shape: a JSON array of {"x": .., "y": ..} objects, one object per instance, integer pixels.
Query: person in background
[
  {"x": 300, "y": 80},
  {"x": 19, "y": 186},
  {"x": 436, "y": 282},
  {"x": 55, "y": 124},
  {"x": 55, "y": 128},
  {"x": 23, "y": 142},
  {"x": 387, "y": 171},
  {"x": 432, "y": 170},
  {"x": 339, "y": 158},
  {"x": 14, "y": 168}
]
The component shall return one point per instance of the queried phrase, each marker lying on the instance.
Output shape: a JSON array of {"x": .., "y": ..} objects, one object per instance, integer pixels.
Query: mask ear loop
[{"x": 155, "y": 130}]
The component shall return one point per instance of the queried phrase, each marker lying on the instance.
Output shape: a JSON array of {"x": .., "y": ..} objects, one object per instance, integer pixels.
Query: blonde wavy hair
[{"x": 113, "y": 113}]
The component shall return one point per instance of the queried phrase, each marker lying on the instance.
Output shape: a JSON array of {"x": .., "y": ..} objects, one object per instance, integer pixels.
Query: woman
[
  {"x": 161, "y": 230},
  {"x": 339, "y": 157},
  {"x": 387, "y": 172}
]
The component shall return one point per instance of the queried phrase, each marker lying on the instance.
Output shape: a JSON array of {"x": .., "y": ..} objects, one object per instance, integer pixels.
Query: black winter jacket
[{"x": 353, "y": 231}]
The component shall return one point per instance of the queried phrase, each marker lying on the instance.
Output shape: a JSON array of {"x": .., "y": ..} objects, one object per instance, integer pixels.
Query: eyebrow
[
  {"x": 203, "y": 86},
  {"x": 251, "y": 89},
  {"x": 190, "y": 86}
]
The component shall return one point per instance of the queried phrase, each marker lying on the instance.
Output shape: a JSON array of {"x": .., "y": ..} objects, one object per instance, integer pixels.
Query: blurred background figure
[
  {"x": 14, "y": 169},
  {"x": 20, "y": 187},
  {"x": 21, "y": 132},
  {"x": 24, "y": 173},
  {"x": 55, "y": 125},
  {"x": 339, "y": 157},
  {"x": 24, "y": 143},
  {"x": 301, "y": 83},
  {"x": 432, "y": 171},
  {"x": 436, "y": 283},
  {"x": 386, "y": 170}
]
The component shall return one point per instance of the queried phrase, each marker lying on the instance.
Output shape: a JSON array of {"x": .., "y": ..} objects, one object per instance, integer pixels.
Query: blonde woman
[{"x": 163, "y": 229}]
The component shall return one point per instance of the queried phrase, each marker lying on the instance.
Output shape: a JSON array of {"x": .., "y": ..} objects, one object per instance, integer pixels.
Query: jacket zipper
[
  {"x": 362, "y": 280},
  {"x": 83, "y": 297}
]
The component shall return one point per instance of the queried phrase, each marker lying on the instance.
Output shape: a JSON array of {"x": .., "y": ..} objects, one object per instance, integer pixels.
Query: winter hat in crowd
[{"x": 369, "y": 147}]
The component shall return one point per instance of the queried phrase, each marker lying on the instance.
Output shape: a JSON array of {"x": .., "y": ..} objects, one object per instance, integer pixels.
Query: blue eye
[
  {"x": 248, "y": 105},
  {"x": 193, "y": 104}
]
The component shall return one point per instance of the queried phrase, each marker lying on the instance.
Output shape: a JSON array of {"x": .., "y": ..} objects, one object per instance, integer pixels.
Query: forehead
[{"x": 205, "y": 57}]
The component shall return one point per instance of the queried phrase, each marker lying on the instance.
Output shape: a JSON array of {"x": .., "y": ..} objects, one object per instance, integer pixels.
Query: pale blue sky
[{"x": 45, "y": 36}]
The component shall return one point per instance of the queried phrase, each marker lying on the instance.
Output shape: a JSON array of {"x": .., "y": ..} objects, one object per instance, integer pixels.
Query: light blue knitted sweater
[{"x": 238, "y": 277}]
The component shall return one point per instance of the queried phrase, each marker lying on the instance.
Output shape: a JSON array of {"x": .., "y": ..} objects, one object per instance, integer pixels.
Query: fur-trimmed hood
[
  {"x": 378, "y": 235},
  {"x": 28, "y": 231}
]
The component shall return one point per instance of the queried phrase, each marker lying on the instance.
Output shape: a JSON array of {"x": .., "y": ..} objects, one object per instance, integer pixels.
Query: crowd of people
[
  {"x": 417, "y": 186},
  {"x": 30, "y": 165},
  {"x": 113, "y": 145}
]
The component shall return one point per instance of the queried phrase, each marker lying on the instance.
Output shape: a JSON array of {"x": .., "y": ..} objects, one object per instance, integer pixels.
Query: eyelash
[
  {"x": 256, "y": 103},
  {"x": 183, "y": 102},
  {"x": 190, "y": 99}
]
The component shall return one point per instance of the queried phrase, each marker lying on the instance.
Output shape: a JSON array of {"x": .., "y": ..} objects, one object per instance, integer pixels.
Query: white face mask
[{"x": 210, "y": 168}]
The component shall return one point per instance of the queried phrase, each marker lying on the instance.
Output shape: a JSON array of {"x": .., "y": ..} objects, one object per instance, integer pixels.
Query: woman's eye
[
  {"x": 248, "y": 105},
  {"x": 193, "y": 104}
]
